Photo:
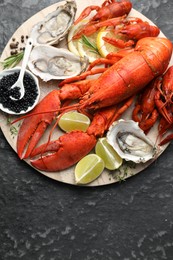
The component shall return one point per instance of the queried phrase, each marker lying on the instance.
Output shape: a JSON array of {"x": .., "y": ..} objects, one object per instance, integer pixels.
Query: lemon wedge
[
  {"x": 105, "y": 48},
  {"x": 73, "y": 44},
  {"x": 74, "y": 120},
  {"x": 88, "y": 169},
  {"x": 78, "y": 46},
  {"x": 111, "y": 159},
  {"x": 84, "y": 50}
]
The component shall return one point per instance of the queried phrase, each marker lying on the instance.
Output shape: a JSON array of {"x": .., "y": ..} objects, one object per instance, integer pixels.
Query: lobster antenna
[{"x": 63, "y": 109}]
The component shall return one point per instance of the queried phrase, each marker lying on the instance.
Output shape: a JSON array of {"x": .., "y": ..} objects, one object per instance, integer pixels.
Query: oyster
[
  {"x": 55, "y": 25},
  {"x": 49, "y": 62},
  {"x": 130, "y": 142}
]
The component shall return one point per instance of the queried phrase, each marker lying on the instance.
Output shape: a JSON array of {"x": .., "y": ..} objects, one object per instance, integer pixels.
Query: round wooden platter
[{"x": 67, "y": 176}]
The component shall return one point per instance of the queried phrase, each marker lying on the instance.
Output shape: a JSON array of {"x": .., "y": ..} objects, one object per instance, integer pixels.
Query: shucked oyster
[
  {"x": 49, "y": 62},
  {"x": 55, "y": 25},
  {"x": 130, "y": 142}
]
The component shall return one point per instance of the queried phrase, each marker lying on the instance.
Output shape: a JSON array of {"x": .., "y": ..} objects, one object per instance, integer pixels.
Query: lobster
[
  {"x": 111, "y": 13},
  {"x": 114, "y": 88},
  {"x": 133, "y": 30},
  {"x": 108, "y": 10}
]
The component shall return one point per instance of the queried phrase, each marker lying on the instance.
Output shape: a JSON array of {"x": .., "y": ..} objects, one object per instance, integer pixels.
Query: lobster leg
[
  {"x": 93, "y": 71},
  {"x": 118, "y": 42},
  {"x": 111, "y": 59},
  {"x": 91, "y": 28},
  {"x": 164, "y": 127},
  {"x": 86, "y": 12},
  {"x": 166, "y": 140}
]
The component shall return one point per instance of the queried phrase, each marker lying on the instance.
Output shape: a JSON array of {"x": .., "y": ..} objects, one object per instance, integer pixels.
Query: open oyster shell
[
  {"x": 130, "y": 142},
  {"x": 55, "y": 25},
  {"x": 49, "y": 63}
]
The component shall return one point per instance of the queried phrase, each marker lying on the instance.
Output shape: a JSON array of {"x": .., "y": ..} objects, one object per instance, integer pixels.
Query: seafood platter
[{"x": 103, "y": 67}]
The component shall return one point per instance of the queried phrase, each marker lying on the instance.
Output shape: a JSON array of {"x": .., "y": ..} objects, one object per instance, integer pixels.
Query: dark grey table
[{"x": 46, "y": 220}]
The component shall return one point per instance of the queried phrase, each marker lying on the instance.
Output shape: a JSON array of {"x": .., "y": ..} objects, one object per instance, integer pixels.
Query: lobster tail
[{"x": 156, "y": 52}]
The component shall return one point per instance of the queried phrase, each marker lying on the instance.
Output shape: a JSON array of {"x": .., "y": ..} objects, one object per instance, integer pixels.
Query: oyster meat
[
  {"x": 130, "y": 142},
  {"x": 55, "y": 25},
  {"x": 49, "y": 62}
]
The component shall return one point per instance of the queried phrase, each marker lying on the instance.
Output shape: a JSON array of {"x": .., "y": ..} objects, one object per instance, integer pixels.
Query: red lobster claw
[
  {"x": 37, "y": 122},
  {"x": 63, "y": 151}
]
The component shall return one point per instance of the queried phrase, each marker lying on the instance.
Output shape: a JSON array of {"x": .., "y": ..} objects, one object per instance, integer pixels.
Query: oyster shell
[
  {"x": 130, "y": 142},
  {"x": 49, "y": 62},
  {"x": 55, "y": 25}
]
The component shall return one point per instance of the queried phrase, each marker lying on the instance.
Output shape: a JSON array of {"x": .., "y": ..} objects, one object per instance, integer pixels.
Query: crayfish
[
  {"x": 105, "y": 98},
  {"x": 113, "y": 14},
  {"x": 155, "y": 101}
]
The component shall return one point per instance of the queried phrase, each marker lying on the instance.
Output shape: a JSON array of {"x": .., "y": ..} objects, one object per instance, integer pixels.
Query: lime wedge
[
  {"x": 74, "y": 120},
  {"x": 88, "y": 169},
  {"x": 111, "y": 159}
]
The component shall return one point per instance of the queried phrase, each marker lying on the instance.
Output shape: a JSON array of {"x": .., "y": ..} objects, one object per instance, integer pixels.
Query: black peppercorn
[
  {"x": 13, "y": 45},
  {"x": 14, "y": 52}
]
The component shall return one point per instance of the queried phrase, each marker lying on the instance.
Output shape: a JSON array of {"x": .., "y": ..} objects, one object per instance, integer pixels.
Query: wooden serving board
[{"x": 67, "y": 176}]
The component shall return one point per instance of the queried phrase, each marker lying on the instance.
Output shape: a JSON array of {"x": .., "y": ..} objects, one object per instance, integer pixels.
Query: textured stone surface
[{"x": 46, "y": 220}]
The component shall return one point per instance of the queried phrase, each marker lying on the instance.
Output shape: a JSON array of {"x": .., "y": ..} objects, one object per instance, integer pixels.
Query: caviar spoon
[{"x": 19, "y": 83}]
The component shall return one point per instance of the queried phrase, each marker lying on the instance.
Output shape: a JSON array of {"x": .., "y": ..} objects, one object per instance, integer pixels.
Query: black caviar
[{"x": 31, "y": 92}]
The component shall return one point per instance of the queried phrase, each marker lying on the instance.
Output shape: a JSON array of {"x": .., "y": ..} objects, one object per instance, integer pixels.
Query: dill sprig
[
  {"x": 13, "y": 60},
  {"x": 92, "y": 46}
]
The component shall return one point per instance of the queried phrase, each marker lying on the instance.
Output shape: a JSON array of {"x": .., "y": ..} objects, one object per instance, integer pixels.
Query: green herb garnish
[
  {"x": 13, "y": 60},
  {"x": 92, "y": 46},
  {"x": 13, "y": 129},
  {"x": 9, "y": 120},
  {"x": 124, "y": 171}
]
